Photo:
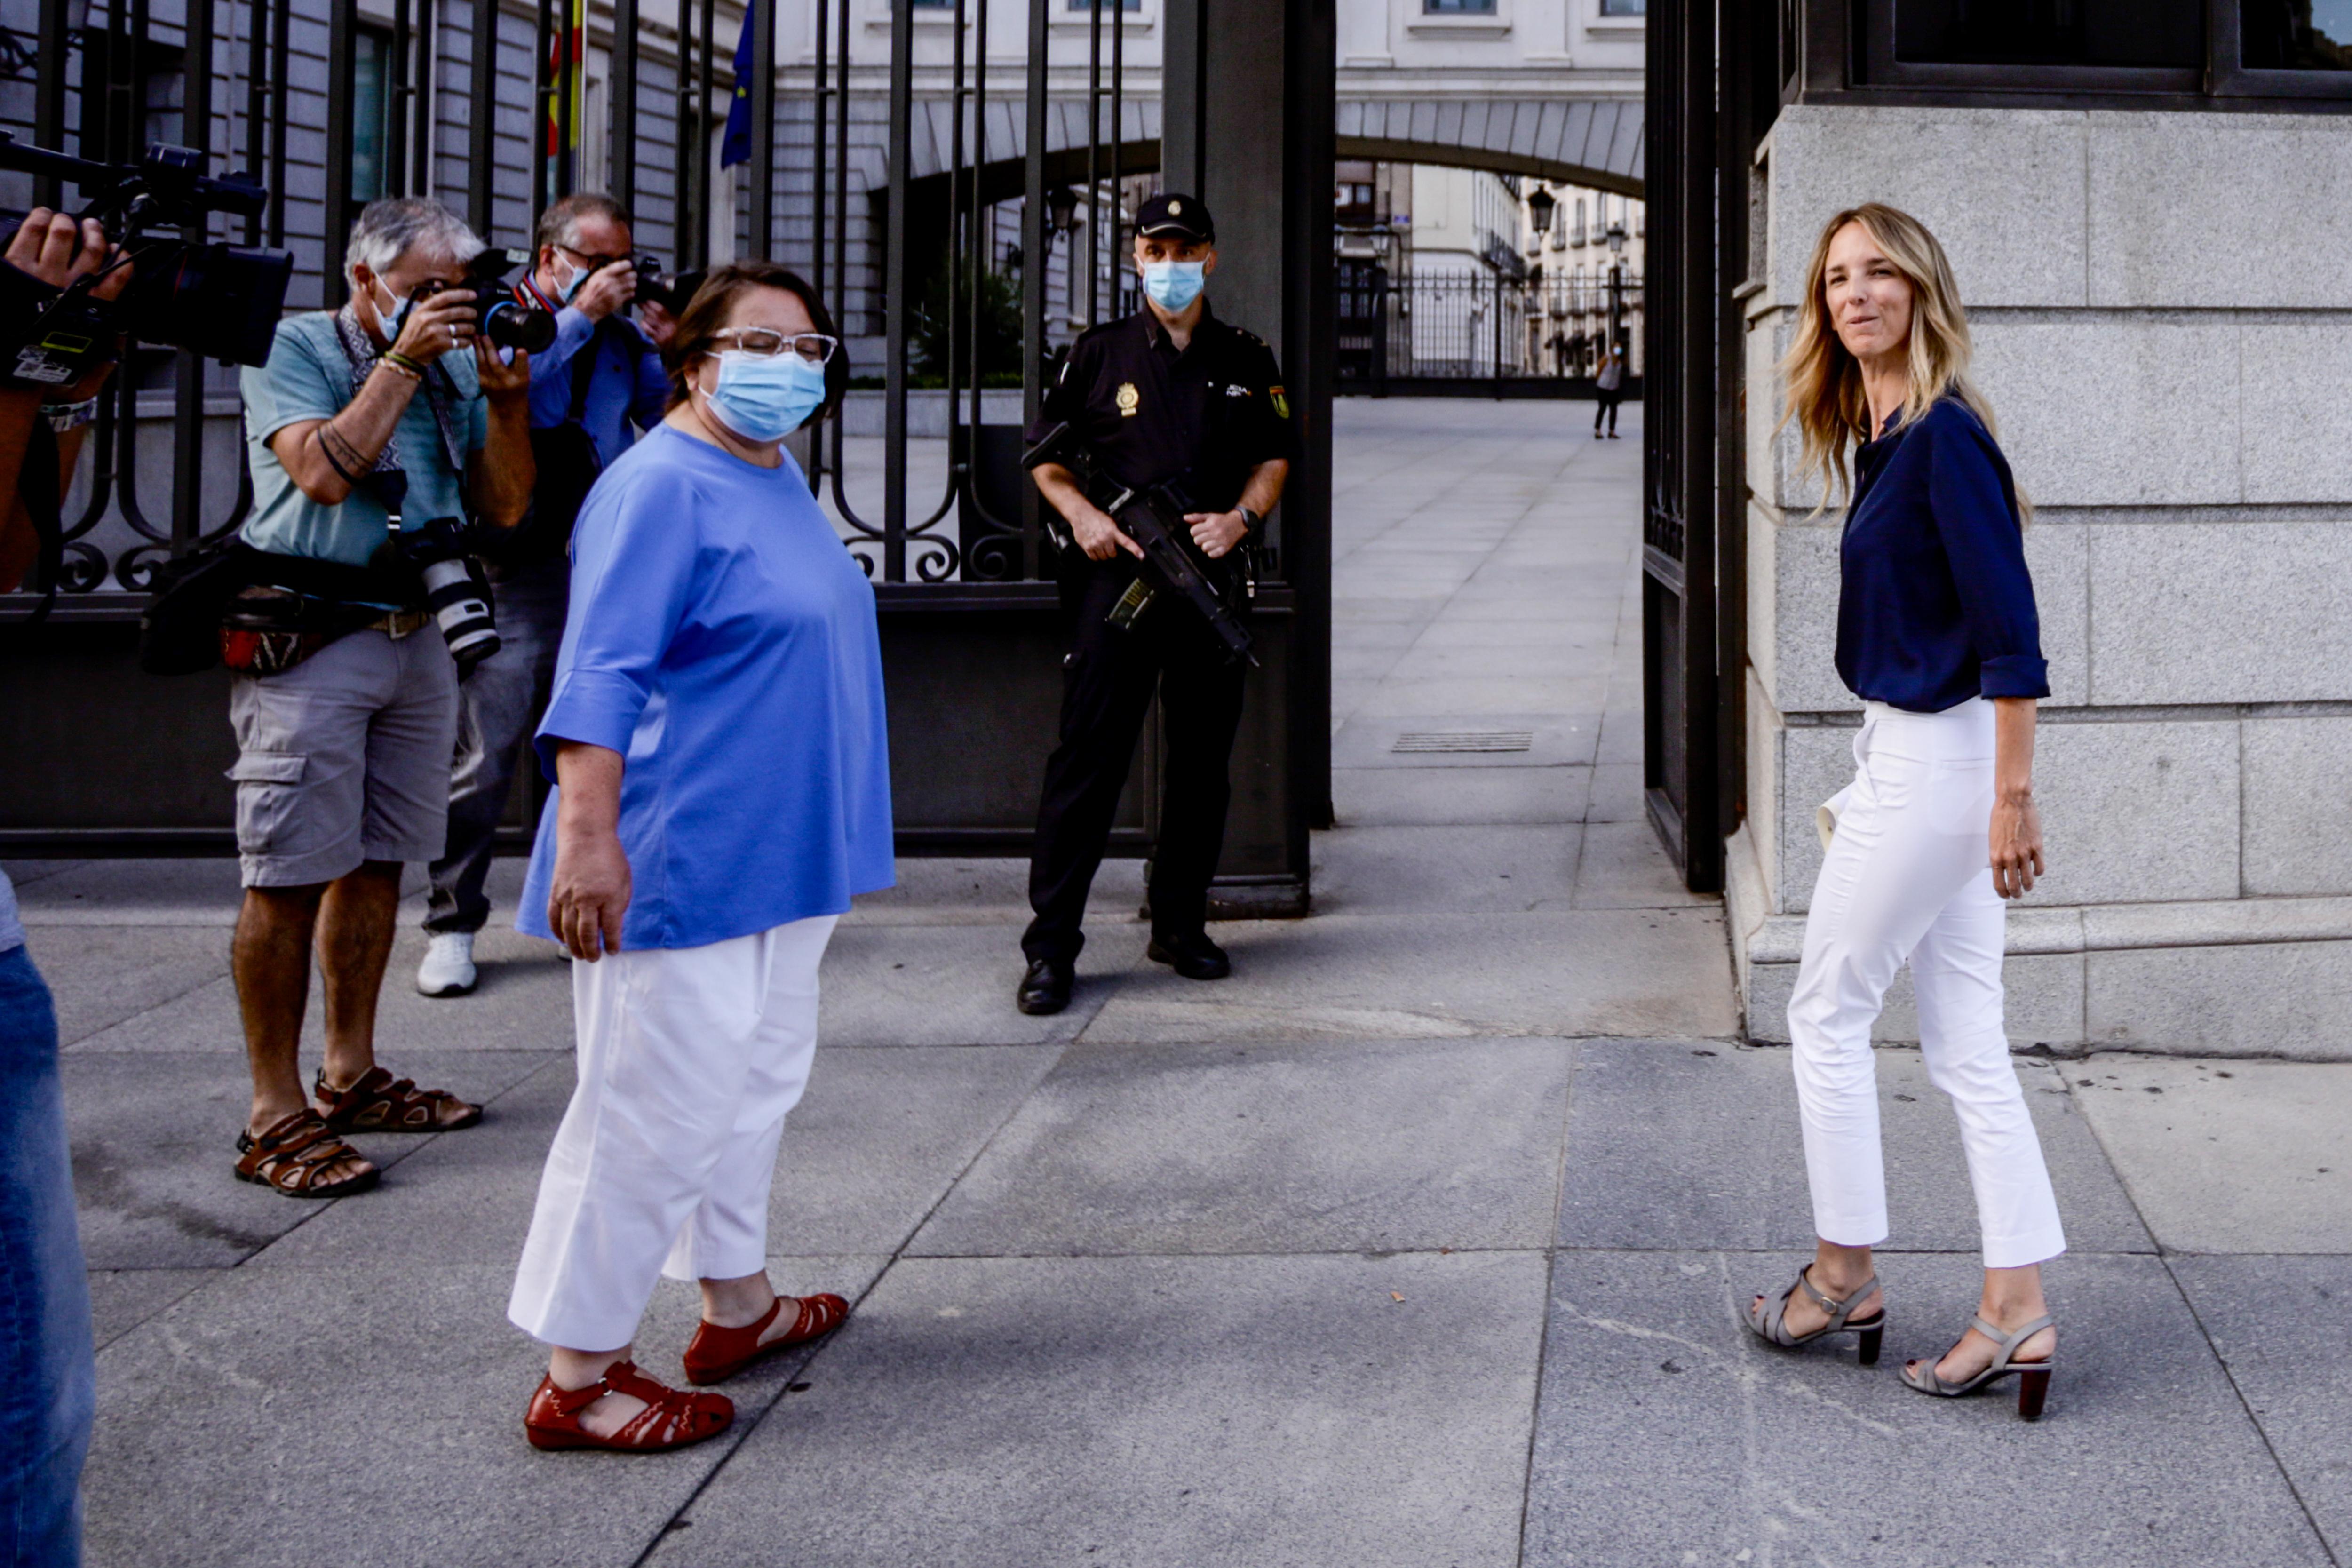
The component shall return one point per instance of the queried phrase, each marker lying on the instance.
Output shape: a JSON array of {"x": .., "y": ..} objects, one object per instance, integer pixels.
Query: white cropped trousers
[
  {"x": 1907, "y": 874},
  {"x": 689, "y": 1060}
]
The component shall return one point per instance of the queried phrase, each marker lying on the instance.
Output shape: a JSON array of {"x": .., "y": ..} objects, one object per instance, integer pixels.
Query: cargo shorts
[{"x": 345, "y": 758}]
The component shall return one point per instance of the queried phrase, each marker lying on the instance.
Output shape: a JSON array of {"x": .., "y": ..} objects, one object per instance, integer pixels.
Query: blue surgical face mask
[
  {"x": 765, "y": 397},
  {"x": 579, "y": 276},
  {"x": 1174, "y": 285},
  {"x": 394, "y": 319}
]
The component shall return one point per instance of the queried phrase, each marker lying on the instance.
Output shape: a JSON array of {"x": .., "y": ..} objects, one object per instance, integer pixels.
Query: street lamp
[
  {"x": 1541, "y": 208},
  {"x": 1617, "y": 286},
  {"x": 1061, "y": 209}
]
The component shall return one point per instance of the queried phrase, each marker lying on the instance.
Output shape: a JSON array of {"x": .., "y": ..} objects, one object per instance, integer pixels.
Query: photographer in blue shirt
[{"x": 591, "y": 392}]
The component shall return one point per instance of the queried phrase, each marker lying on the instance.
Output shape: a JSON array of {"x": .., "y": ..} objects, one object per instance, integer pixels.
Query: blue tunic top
[
  {"x": 1935, "y": 604},
  {"x": 721, "y": 639}
]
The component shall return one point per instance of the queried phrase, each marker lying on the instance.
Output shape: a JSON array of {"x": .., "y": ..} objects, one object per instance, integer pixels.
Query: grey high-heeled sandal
[
  {"x": 1768, "y": 1320},
  {"x": 2032, "y": 1376}
]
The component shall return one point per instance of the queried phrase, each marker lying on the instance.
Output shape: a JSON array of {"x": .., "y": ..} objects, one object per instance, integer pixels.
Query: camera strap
[
  {"x": 440, "y": 393},
  {"x": 41, "y": 487}
]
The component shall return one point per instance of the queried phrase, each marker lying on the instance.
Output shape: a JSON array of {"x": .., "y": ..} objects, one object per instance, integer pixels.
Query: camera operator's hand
[
  {"x": 657, "y": 324},
  {"x": 609, "y": 289},
  {"x": 50, "y": 247},
  {"x": 436, "y": 324},
  {"x": 500, "y": 379}
]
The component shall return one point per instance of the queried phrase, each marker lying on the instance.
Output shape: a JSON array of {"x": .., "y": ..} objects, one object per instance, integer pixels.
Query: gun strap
[{"x": 41, "y": 487}]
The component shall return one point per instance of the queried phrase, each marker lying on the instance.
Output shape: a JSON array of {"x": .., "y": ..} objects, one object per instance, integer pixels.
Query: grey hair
[
  {"x": 388, "y": 229},
  {"x": 559, "y": 224}
]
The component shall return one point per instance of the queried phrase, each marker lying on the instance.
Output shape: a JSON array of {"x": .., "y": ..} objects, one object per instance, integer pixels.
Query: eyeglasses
[
  {"x": 764, "y": 343},
  {"x": 594, "y": 263}
]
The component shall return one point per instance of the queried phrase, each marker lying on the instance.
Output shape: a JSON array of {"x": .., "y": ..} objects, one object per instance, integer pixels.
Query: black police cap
[{"x": 1173, "y": 213}]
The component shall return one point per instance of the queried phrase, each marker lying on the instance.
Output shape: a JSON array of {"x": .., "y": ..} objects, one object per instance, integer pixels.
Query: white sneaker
[{"x": 449, "y": 966}]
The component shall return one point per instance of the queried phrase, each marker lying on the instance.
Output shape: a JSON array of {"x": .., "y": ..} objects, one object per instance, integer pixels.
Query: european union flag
[{"x": 736, "y": 147}]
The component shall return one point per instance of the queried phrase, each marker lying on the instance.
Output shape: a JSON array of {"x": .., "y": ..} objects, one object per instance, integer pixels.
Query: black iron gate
[
  {"x": 1713, "y": 91},
  {"x": 488, "y": 105}
]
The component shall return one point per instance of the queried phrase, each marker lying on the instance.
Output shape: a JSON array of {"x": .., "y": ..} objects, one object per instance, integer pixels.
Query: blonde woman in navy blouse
[{"x": 1937, "y": 635}]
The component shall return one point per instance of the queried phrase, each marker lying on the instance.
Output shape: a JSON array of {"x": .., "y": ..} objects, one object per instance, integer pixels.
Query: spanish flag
[{"x": 566, "y": 51}]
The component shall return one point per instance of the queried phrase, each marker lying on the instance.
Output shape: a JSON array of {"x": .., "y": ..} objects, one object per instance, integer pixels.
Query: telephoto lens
[
  {"x": 509, "y": 322},
  {"x": 459, "y": 601}
]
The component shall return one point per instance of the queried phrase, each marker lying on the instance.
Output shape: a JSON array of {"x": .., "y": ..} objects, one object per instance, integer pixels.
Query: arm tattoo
[{"x": 342, "y": 456}]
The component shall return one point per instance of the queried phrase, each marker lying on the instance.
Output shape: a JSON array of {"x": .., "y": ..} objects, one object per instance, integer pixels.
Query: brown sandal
[
  {"x": 380, "y": 1102},
  {"x": 716, "y": 1355},
  {"x": 672, "y": 1417},
  {"x": 293, "y": 1155}
]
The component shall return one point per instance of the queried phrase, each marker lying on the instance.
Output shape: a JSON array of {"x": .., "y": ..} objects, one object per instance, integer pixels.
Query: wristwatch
[{"x": 1250, "y": 520}]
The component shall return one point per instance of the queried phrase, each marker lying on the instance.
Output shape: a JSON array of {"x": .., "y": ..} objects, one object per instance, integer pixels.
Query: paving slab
[
  {"x": 154, "y": 1141},
  {"x": 1368, "y": 740},
  {"x": 1681, "y": 1143},
  {"x": 2228, "y": 1155},
  {"x": 872, "y": 1147},
  {"x": 1439, "y": 797},
  {"x": 1617, "y": 794},
  {"x": 122, "y": 1299},
  {"x": 1623, "y": 867},
  {"x": 1373, "y": 870},
  {"x": 1640, "y": 972},
  {"x": 102, "y": 975},
  {"x": 1285, "y": 1148},
  {"x": 994, "y": 891},
  {"x": 2280, "y": 1324},
  {"x": 952, "y": 985},
  {"x": 522, "y": 1002},
  {"x": 1669, "y": 1434},
  {"x": 1191, "y": 1413},
  {"x": 132, "y": 892},
  {"x": 229, "y": 1431}
]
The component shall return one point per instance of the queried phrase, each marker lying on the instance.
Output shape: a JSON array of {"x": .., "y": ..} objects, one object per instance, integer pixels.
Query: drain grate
[{"x": 1465, "y": 741}]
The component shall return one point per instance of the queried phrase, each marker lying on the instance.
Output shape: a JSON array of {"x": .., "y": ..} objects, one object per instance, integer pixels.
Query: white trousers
[
  {"x": 689, "y": 1060},
  {"x": 1907, "y": 874}
]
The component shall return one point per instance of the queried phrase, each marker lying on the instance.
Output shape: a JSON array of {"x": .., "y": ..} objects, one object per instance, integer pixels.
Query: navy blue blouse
[{"x": 1935, "y": 604}]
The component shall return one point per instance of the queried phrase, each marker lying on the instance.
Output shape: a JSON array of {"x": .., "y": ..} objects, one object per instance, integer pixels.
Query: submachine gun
[{"x": 1153, "y": 516}]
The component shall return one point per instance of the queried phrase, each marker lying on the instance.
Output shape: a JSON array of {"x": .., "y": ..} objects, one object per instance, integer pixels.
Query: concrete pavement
[{"x": 1419, "y": 1242}]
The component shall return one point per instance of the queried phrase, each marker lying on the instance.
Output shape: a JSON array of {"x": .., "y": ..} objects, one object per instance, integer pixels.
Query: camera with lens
[
  {"x": 222, "y": 301},
  {"x": 498, "y": 317},
  {"x": 454, "y": 590},
  {"x": 654, "y": 287}
]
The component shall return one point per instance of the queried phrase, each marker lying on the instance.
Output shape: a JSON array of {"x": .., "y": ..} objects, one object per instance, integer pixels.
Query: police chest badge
[
  {"x": 1128, "y": 399},
  {"x": 1281, "y": 404}
]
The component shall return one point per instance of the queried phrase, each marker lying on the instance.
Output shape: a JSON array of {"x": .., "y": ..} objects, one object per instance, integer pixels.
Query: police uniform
[{"x": 1205, "y": 416}]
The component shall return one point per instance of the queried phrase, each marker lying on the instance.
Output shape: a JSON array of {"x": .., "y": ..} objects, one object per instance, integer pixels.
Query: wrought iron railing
[
  {"x": 1467, "y": 322},
  {"x": 454, "y": 73}
]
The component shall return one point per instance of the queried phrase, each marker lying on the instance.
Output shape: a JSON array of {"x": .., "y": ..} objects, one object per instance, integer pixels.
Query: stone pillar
[{"x": 2156, "y": 300}]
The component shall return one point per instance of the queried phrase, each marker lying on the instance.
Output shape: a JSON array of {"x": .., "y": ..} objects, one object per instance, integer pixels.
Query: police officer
[
  {"x": 1169, "y": 393},
  {"x": 590, "y": 392}
]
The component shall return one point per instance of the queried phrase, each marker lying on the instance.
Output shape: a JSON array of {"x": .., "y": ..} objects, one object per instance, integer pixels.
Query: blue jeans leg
[
  {"x": 48, "y": 1385},
  {"x": 500, "y": 707}
]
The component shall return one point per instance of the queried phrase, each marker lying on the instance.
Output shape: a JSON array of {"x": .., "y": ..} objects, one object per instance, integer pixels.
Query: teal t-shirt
[{"x": 309, "y": 378}]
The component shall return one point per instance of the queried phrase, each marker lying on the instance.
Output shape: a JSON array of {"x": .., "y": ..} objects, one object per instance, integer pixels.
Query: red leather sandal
[
  {"x": 716, "y": 1355},
  {"x": 672, "y": 1417}
]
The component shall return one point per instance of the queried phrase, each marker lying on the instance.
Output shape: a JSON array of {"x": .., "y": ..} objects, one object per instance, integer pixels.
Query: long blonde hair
[{"x": 1823, "y": 381}]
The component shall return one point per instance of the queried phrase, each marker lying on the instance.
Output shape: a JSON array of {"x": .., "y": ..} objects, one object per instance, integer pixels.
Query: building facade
[{"x": 2182, "y": 427}]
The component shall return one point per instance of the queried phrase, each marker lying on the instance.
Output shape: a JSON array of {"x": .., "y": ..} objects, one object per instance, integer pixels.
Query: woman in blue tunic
[
  {"x": 1937, "y": 635},
  {"x": 715, "y": 737}
]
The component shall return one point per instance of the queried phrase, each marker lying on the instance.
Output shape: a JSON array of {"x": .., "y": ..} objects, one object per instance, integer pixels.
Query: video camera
[
  {"x": 219, "y": 301},
  {"x": 498, "y": 316},
  {"x": 1153, "y": 516}
]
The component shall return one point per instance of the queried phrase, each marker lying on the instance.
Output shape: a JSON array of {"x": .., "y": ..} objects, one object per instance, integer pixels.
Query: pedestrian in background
[
  {"x": 1937, "y": 633},
  {"x": 716, "y": 739},
  {"x": 48, "y": 1390},
  {"x": 592, "y": 390},
  {"x": 1609, "y": 383},
  {"x": 391, "y": 405}
]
